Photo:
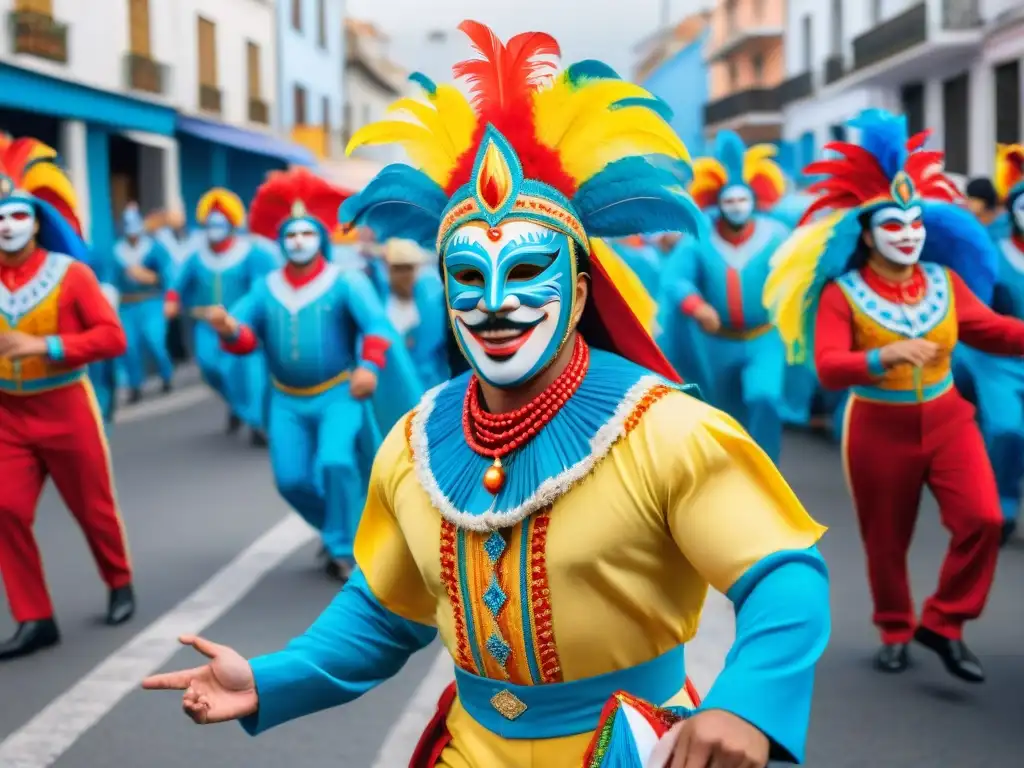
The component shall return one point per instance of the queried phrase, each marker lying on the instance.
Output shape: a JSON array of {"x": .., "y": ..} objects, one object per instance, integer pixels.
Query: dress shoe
[
  {"x": 121, "y": 605},
  {"x": 31, "y": 636},
  {"x": 1009, "y": 528},
  {"x": 955, "y": 655},
  {"x": 339, "y": 568},
  {"x": 135, "y": 397},
  {"x": 892, "y": 658},
  {"x": 258, "y": 439},
  {"x": 234, "y": 424}
]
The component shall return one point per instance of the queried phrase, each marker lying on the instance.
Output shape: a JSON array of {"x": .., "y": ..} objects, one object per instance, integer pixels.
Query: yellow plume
[
  {"x": 627, "y": 283},
  {"x": 565, "y": 106},
  {"x": 709, "y": 176},
  {"x": 793, "y": 268},
  {"x": 50, "y": 176},
  {"x": 759, "y": 161},
  {"x": 1009, "y": 168},
  {"x": 224, "y": 199}
]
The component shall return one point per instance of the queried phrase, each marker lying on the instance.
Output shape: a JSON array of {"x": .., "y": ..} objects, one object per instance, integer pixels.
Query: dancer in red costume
[
  {"x": 54, "y": 321},
  {"x": 891, "y": 280}
]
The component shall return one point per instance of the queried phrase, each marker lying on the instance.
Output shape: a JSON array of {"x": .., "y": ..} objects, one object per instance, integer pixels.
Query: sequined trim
[
  {"x": 653, "y": 395},
  {"x": 451, "y": 581},
  {"x": 542, "y": 627}
]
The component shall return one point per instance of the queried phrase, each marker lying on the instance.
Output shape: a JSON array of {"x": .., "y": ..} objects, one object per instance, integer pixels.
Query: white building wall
[{"x": 370, "y": 104}]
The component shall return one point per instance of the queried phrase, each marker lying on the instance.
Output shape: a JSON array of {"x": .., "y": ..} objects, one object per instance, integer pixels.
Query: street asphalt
[{"x": 193, "y": 499}]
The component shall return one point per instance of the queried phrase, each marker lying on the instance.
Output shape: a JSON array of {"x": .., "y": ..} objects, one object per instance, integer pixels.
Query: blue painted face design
[
  {"x": 301, "y": 241},
  {"x": 218, "y": 228},
  {"x": 736, "y": 204},
  {"x": 511, "y": 294},
  {"x": 1017, "y": 209}
]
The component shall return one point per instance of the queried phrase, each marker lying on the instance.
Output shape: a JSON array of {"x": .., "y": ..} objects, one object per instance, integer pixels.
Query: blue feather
[
  {"x": 884, "y": 135},
  {"x": 653, "y": 103},
  {"x": 680, "y": 169},
  {"x": 955, "y": 239},
  {"x": 590, "y": 69},
  {"x": 631, "y": 197},
  {"x": 730, "y": 150},
  {"x": 400, "y": 201},
  {"x": 56, "y": 233},
  {"x": 423, "y": 82}
]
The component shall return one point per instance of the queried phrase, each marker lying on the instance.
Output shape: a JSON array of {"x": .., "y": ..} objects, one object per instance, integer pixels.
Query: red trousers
[
  {"x": 56, "y": 434},
  {"x": 891, "y": 452}
]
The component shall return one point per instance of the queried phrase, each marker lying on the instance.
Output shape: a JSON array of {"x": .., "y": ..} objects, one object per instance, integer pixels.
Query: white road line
[
  {"x": 705, "y": 656},
  {"x": 169, "y": 404},
  {"x": 48, "y": 735}
]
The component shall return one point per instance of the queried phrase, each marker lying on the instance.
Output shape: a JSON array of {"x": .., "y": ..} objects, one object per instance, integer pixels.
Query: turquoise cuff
[
  {"x": 55, "y": 349},
  {"x": 368, "y": 366},
  {"x": 875, "y": 367}
]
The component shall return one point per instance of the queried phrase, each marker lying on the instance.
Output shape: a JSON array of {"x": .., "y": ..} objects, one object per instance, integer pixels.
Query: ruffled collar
[{"x": 563, "y": 453}]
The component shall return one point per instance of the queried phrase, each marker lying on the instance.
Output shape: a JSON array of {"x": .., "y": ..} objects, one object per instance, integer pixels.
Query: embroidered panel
[
  {"x": 15, "y": 305},
  {"x": 295, "y": 299},
  {"x": 911, "y": 321}
]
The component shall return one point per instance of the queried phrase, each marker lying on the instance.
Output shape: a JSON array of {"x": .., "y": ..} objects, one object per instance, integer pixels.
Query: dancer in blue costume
[
  {"x": 718, "y": 282},
  {"x": 144, "y": 271},
  {"x": 103, "y": 373},
  {"x": 642, "y": 256},
  {"x": 327, "y": 341},
  {"x": 220, "y": 273}
]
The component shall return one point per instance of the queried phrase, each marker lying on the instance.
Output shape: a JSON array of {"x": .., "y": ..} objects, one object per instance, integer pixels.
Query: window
[
  {"x": 321, "y": 23},
  {"x": 912, "y": 101},
  {"x": 807, "y": 42},
  {"x": 325, "y": 108},
  {"x": 300, "y": 115},
  {"x": 1007, "y": 102},
  {"x": 757, "y": 64},
  {"x": 730, "y": 16},
  {"x": 955, "y": 95},
  {"x": 44, "y": 7},
  {"x": 138, "y": 27},
  {"x": 876, "y": 11},
  {"x": 297, "y": 15},
  {"x": 252, "y": 67},
  {"x": 207, "y": 32},
  {"x": 837, "y": 27}
]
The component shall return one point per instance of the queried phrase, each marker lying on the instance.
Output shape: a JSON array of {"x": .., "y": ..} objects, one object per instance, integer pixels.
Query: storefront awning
[{"x": 247, "y": 141}]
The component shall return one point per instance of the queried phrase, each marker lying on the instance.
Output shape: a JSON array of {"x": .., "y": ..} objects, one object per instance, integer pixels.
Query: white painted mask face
[
  {"x": 510, "y": 299},
  {"x": 218, "y": 228},
  {"x": 898, "y": 234},
  {"x": 301, "y": 241},
  {"x": 17, "y": 225},
  {"x": 1018, "y": 212},
  {"x": 737, "y": 205}
]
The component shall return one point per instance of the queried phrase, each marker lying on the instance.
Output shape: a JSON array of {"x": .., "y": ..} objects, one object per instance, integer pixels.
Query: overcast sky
[{"x": 586, "y": 29}]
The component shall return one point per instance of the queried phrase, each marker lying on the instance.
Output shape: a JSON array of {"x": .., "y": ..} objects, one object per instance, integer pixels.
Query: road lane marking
[
  {"x": 48, "y": 735},
  {"x": 705, "y": 657},
  {"x": 149, "y": 409}
]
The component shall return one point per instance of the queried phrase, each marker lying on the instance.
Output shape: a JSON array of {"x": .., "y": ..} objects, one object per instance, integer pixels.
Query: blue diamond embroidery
[
  {"x": 495, "y": 597},
  {"x": 499, "y": 649},
  {"x": 494, "y": 546}
]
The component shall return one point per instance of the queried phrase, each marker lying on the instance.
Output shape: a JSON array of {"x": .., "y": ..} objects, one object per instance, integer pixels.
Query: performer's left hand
[
  {"x": 14, "y": 345},
  {"x": 143, "y": 275},
  {"x": 363, "y": 383},
  {"x": 712, "y": 739}
]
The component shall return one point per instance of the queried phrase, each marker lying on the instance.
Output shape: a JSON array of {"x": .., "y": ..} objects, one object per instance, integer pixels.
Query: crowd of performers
[{"x": 496, "y": 443}]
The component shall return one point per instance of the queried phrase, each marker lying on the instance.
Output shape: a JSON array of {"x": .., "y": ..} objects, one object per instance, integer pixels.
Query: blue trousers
[
  {"x": 241, "y": 381},
  {"x": 146, "y": 328},
  {"x": 800, "y": 386},
  {"x": 314, "y": 453},
  {"x": 996, "y": 385},
  {"x": 747, "y": 382}
]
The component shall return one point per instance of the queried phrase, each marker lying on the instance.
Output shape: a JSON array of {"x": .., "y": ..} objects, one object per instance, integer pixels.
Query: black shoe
[
  {"x": 134, "y": 397},
  {"x": 121, "y": 605},
  {"x": 258, "y": 439},
  {"x": 955, "y": 655},
  {"x": 167, "y": 388},
  {"x": 234, "y": 424},
  {"x": 892, "y": 658},
  {"x": 339, "y": 568},
  {"x": 31, "y": 636},
  {"x": 1009, "y": 528}
]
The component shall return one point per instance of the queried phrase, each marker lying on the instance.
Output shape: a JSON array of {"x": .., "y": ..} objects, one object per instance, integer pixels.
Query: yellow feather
[
  {"x": 230, "y": 203},
  {"x": 627, "y": 283},
  {"x": 563, "y": 107},
  {"x": 419, "y": 142},
  {"x": 458, "y": 116},
  {"x": 49, "y": 176},
  {"x": 428, "y": 117}
]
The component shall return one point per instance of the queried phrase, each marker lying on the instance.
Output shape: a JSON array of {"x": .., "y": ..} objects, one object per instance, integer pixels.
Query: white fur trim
[{"x": 547, "y": 492}]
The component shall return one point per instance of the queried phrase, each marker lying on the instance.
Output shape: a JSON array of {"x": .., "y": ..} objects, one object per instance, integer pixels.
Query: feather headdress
[
  {"x": 1008, "y": 178},
  {"x": 223, "y": 200},
  {"x": 30, "y": 171},
  {"x": 294, "y": 194},
  {"x": 887, "y": 167},
  {"x": 582, "y": 152},
  {"x": 734, "y": 164}
]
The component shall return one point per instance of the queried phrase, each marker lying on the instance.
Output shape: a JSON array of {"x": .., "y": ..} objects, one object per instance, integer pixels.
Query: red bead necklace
[{"x": 495, "y": 435}]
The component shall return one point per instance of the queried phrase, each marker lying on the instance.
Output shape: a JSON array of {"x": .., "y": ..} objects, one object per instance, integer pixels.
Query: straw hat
[{"x": 403, "y": 253}]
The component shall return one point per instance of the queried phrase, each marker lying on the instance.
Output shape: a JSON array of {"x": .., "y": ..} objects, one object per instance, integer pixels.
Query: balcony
[
  {"x": 835, "y": 68},
  {"x": 795, "y": 88},
  {"x": 314, "y": 138},
  {"x": 746, "y": 36},
  {"x": 144, "y": 74},
  {"x": 259, "y": 112},
  {"x": 764, "y": 102},
  {"x": 210, "y": 99},
  {"x": 39, "y": 35}
]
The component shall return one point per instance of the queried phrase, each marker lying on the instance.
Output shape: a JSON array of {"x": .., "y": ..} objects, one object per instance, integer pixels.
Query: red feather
[
  {"x": 282, "y": 189},
  {"x": 16, "y": 160},
  {"x": 918, "y": 140}
]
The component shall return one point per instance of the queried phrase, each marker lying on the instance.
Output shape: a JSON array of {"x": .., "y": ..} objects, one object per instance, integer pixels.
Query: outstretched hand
[
  {"x": 711, "y": 739},
  {"x": 224, "y": 689}
]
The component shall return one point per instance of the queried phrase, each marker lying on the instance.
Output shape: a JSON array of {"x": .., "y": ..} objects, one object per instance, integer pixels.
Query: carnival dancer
[
  {"x": 144, "y": 272},
  {"x": 170, "y": 229},
  {"x": 103, "y": 373},
  {"x": 220, "y": 273},
  {"x": 327, "y": 340},
  {"x": 718, "y": 282},
  {"x": 882, "y": 289},
  {"x": 557, "y": 511},
  {"x": 54, "y": 322}
]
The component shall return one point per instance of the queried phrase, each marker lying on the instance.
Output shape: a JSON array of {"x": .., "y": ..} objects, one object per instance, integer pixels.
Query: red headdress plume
[
  {"x": 34, "y": 169},
  {"x": 275, "y": 201}
]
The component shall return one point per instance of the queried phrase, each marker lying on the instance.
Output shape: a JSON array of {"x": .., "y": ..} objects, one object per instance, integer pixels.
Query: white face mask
[
  {"x": 301, "y": 242},
  {"x": 898, "y": 234},
  {"x": 1018, "y": 212},
  {"x": 218, "y": 228},
  {"x": 737, "y": 205},
  {"x": 17, "y": 225}
]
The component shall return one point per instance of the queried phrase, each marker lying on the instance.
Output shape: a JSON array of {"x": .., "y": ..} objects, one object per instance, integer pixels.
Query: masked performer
[
  {"x": 220, "y": 273},
  {"x": 54, "y": 322},
  {"x": 326, "y": 337},
  {"x": 557, "y": 511},
  {"x": 103, "y": 373},
  {"x": 144, "y": 272},
  {"x": 881, "y": 289},
  {"x": 718, "y": 283}
]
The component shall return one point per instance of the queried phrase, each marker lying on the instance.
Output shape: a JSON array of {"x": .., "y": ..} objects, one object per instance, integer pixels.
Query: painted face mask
[
  {"x": 301, "y": 242},
  {"x": 218, "y": 228},
  {"x": 17, "y": 225},
  {"x": 511, "y": 291},
  {"x": 1017, "y": 209},
  {"x": 898, "y": 234},
  {"x": 737, "y": 205}
]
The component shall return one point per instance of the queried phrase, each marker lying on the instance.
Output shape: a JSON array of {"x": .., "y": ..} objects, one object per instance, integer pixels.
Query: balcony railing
[
  {"x": 910, "y": 28},
  {"x": 742, "y": 103},
  {"x": 144, "y": 74},
  {"x": 961, "y": 14},
  {"x": 38, "y": 34},
  {"x": 835, "y": 68},
  {"x": 259, "y": 112},
  {"x": 795, "y": 88},
  {"x": 210, "y": 98}
]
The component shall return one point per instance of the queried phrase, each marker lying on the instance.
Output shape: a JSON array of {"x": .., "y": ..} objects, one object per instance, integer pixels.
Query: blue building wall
[
  {"x": 303, "y": 61},
  {"x": 682, "y": 83}
]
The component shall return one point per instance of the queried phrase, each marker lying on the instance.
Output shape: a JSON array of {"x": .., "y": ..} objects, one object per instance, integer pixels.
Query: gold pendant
[{"x": 494, "y": 477}]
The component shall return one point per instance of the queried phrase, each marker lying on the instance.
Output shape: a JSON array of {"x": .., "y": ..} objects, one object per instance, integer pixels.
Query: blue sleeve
[
  {"x": 251, "y": 310},
  {"x": 783, "y": 622},
  {"x": 355, "y": 645},
  {"x": 681, "y": 277},
  {"x": 261, "y": 262},
  {"x": 378, "y": 272},
  {"x": 366, "y": 308},
  {"x": 159, "y": 260},
  {"x": 183, "y": 281}
]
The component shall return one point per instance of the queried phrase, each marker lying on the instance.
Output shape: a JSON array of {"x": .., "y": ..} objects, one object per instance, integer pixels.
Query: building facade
[
  {"x": 311, "y": 51},
  {"x": 372, "y": 83}
]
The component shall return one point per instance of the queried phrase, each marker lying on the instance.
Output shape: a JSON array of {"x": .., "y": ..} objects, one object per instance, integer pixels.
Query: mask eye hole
[
  {"x": 471, "y": 277},
  {"x": 20, "y": 216},
  {"x": 524, "y": 272},
  {"x": 892, "y": 226},
  {"x": 918, "y": 224}
]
